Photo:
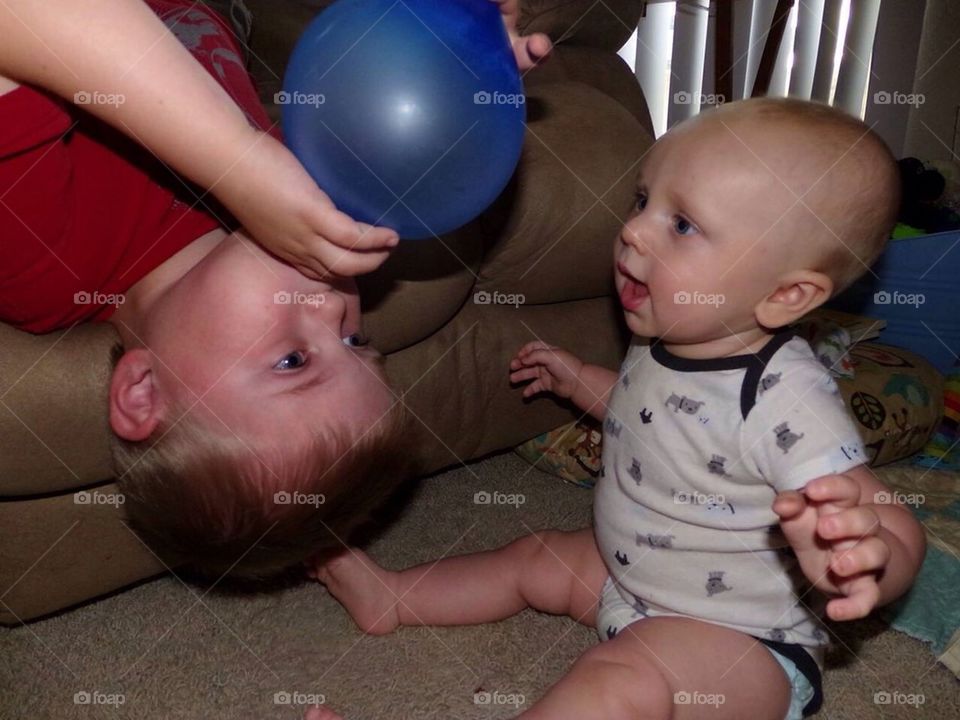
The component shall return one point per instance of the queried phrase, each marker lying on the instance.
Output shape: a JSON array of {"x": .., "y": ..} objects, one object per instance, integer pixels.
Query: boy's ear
[
  {"x": 797, "y": 294},
  {"x": 135, "y": 405}
]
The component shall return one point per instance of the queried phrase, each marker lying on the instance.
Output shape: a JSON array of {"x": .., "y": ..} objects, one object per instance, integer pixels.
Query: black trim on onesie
[{"x": 753, "y": 363}]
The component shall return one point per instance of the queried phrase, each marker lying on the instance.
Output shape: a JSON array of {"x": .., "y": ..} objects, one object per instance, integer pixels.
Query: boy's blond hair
[{"x": 217, "y": 505}]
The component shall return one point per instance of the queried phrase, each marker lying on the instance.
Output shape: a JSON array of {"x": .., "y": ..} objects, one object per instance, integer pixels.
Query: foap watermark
[
  {"x": 684, "y": 97},
  {"x": 299, "y": 98},
  {"x": 682, "y": 297},
  {"x": 282, "y": 297},
  {"x": 88, "y": 97},
  {"x": 85, "y": 497},
  {"x": 98, "y": 298},
  {"x": 495, "y": 697},
  {"x": 97, "y": 697},
  {"x": 295, "y": 697},
  {"x": 895, "y": 497},
  {"x": 885, "y": 697},
  {"x": 298, "y": 498},
  {"x": 498, "y": 98},
  {"x": 885, "y": 297},
  {"x": 895, "y": 97},
  {"x": 695, "y": 497},
  {"x": 684, "y": 697},
  {"x": 496, "y": 497},
  {"x": 486, "y": 297}
]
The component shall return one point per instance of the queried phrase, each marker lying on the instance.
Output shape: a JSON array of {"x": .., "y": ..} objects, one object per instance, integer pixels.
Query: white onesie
[{"x": 694, "y": 452}]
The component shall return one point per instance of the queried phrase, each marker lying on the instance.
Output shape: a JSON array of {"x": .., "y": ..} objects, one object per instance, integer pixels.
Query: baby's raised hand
[
  {"x": 836, "y": 541},
  {"x": 280, "y": 205},
  {"x": 550, "y": 368}
]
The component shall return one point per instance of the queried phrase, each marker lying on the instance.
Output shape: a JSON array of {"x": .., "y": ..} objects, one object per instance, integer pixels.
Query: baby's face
[
  {"x": 263, "y": 346},
  {"x": 697, "y": 253}
]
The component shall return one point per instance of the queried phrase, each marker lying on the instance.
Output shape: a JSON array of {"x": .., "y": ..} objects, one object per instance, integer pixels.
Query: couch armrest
[{"x": 607, "y": 25}]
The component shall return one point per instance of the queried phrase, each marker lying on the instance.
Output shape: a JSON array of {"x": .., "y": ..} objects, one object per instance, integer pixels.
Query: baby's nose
[{"x": 632, "y": 236}]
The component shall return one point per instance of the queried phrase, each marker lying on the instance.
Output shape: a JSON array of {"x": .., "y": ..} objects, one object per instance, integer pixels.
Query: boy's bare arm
[
  {"x": 165, "y": 100},
  {"x": 119, "y": 47}
]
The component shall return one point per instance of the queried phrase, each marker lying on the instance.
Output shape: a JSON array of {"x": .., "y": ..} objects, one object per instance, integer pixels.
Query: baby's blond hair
[{"x": 857, "y": 180}]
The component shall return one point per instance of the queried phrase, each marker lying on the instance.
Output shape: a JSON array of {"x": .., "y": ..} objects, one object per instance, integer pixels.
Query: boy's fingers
[
  {"x": 343, "y": 231},
  {"x": 337, "y": 261},
  {"x": 854, "y": 522},
  {"x": 840, "y": 490},
  {"x": 867, "y": 556}
]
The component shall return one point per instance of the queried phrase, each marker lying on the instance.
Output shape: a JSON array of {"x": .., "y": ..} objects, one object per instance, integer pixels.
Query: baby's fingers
[
  {"x": 857, "y": 522},
  {"x": 862, "y": 596},
  {"x": 524, "y": 374},
  {"x": 789, "y": 504},
  {"x": 840, "y": 490},
  {"x": 867, "y": 556}
]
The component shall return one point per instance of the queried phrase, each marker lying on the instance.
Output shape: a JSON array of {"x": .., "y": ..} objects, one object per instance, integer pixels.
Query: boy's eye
[
  {"x": 293, "y": 361},
  {"x": 684, "y": 226},
  {"x": 354, "y": 340},
  {"x": 641, "y": 200}
]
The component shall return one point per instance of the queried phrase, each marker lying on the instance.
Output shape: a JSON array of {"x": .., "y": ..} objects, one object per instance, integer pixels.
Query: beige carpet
[{"x": 171, "y": 653}]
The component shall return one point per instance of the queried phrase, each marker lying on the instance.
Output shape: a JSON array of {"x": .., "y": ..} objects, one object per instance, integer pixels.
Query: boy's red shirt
[{"x": 85, "y": 212}]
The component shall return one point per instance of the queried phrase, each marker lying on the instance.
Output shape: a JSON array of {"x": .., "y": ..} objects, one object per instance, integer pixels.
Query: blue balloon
[{"x": 408, "y": 113}]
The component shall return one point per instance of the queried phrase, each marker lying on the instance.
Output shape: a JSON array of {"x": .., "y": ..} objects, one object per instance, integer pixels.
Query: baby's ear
[
  {"x": 135, "y": 405},
  {"x": 797, "y": 294}
]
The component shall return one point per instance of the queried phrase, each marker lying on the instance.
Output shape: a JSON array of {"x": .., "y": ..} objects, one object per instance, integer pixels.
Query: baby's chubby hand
[
  {"x": 550, "y": 368},
  {"x": 837, "y": 542}
]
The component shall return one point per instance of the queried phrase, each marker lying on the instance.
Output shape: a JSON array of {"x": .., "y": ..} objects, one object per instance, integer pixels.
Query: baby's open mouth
[{"x": 634, "y": 292}]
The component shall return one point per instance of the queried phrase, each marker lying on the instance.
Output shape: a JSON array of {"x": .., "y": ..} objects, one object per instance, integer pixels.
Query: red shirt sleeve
[{"x": 85, "y": 212}]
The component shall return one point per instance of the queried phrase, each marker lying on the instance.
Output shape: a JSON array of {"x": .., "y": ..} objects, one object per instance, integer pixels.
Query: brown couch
[{"x": 548, "y": 237}]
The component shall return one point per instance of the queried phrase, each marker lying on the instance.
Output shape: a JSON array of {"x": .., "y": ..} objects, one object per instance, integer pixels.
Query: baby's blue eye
[
  {"x": 641, "y": 200},
  {"x": 684, "y": 226},
  {"x": 293, "y": 361}
]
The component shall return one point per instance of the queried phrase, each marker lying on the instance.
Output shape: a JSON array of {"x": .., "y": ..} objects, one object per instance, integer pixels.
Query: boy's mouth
[{"x": 634, "y": 292}]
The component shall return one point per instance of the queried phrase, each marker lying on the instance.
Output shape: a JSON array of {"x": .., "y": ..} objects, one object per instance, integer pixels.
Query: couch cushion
[{"x": 569, "y": 198}]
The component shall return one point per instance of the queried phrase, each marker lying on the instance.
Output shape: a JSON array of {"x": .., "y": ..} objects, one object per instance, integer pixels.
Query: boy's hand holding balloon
[
  {"x": 409, "y": 121},
  {"x": 278, "y": 203}
]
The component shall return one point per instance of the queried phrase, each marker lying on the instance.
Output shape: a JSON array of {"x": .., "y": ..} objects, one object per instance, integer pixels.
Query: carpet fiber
[{"x": 168, "y": 651}]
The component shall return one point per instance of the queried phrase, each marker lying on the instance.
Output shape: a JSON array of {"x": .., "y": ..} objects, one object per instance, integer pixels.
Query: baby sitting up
[{"x": 733, "y": 507}]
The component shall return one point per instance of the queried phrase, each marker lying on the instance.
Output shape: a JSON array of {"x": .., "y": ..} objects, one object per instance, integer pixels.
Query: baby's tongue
[{"x": 633, "y": 294}]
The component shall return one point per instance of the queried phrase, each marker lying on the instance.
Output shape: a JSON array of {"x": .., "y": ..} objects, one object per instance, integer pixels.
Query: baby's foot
[
  {"x": 364, "y": 588},
  {"x": 320, "y": 712}
]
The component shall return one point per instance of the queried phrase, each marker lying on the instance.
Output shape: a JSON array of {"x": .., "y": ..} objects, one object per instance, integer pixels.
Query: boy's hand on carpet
[
  {"x": 550, "y": 368},
  {"x": 837, "y": 542},
  {"x": 279, "y": 204}
]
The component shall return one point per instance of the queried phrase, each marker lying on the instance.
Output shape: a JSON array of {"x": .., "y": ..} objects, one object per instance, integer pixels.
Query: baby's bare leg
[
  {"x": 675, "y": 668},
  {"x": 556, "y": 572}
]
